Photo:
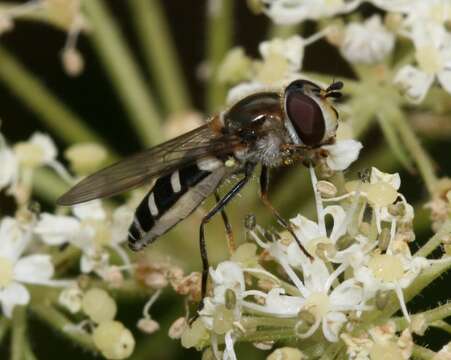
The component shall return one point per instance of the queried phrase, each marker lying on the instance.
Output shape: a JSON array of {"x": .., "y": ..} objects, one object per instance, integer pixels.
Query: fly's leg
[
  {"x": 203, "y": 249},
  {"x": 264, "y": 186},
  {"x": 228, "y": 227}
]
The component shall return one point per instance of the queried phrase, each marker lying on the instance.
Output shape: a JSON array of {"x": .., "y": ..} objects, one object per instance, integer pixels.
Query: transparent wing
[{"x": 141, "y": 168}]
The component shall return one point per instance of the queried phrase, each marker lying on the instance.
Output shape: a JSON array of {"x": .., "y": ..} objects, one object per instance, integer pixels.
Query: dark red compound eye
[{"x": 306, "y": 117}]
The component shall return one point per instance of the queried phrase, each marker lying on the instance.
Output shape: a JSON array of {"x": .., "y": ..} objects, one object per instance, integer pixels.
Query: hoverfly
[{"x": 267, "y": 128}]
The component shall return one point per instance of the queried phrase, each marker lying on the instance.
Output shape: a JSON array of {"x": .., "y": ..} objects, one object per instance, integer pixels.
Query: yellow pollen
[
  {"x": 429, "y": 59},
  {"x": 381, "y": 193},
  {"x": 386, "y": 267},
  {"x": 6, "y": 271},
  {"x": 318, "y": 303}
]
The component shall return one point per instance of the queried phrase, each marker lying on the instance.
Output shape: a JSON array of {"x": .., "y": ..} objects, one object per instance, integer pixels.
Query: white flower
[
  {"x": 295, "y": 11},
  {"x": 317, "y": 295},
  {"x": 436, "y": 12},
  {"x": 16, "y": 270},
  {"x": 37, "y": 151},
  {"x": 311, "y": 235},
  {"x": 433, "y": 55},
  {"x": 394, "y": 5},
  {"x": 368, "y": 42},
  {"x": 91, "y": 230},
  {"x": 342, "y": 154},
  {"x": 390, "y": 272},
  {"x": 9, "y": 165},
  {"x": 57, "y": 230},
  {"x": 219, "y": 316},
  {"x": 291, "y": 49},
  {"x": 413, "y": 83}
]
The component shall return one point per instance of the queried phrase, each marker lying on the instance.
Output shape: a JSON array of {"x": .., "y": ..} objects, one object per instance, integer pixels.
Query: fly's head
[{"x": 310, "y": 118}]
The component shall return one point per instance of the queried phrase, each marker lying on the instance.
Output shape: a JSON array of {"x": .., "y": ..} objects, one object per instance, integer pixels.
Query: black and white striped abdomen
[{"x": 172, "y": 199}]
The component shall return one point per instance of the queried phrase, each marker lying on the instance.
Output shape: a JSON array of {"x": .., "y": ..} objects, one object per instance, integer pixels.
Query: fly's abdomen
[{"x": 172, "y": 199}]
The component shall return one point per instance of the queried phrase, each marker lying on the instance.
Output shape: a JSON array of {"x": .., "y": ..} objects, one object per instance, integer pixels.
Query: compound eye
[{"x": 306, "y": 117}]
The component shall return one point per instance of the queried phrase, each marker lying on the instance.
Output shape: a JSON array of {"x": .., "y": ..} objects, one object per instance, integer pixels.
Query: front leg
[{"x": 264, "y": 187}]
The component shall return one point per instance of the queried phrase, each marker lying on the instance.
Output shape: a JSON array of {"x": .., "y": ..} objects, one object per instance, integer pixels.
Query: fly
[{"x": 267, "y": 128}]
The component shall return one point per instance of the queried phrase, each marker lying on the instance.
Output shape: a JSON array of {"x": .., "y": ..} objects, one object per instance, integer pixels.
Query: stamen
[
  {"x": 319, "y": 204},
  {"x": 149, "y": 303},
  {"x": 402, "y": 302},
  {"x": 229, "y": 345}
]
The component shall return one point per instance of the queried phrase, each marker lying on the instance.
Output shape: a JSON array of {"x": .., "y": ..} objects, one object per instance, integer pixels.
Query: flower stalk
[
  {"x": 219, "y": 39},
  {"x": 51, "y": 111},
  {"x": 124, "y": 73},
  {"x": 18, "y": 336},
  {"x": 160, "y": 54}
]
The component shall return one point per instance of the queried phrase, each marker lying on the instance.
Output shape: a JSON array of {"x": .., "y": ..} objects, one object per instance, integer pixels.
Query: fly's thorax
[{"x": 244, "y": 113}]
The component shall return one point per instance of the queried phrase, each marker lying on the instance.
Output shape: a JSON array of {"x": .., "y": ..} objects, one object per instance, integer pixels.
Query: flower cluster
[
  {"x": 359, "y": 255},
  {"x": 32, "y": 245},
  {"x": 421, "y": 23}
]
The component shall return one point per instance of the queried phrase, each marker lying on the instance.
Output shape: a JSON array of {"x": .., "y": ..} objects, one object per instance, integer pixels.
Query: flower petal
[
  {"x": 46, "y": 144},
  {"x": 279, "y": 304},
  {"x": 305, "y": 229},
  {"x": 9, "y": 168},
  {"x": 90, "y": 210},
  {"x": 13, "y": 239},
  {"x": 34, "y": 269},
  {"x": 12, "y": 295},
  {"x": 414, "y": 83},
  {"x": 342, "y": 153},
  {"x": 379, "y": 176},
  {"x": 57, "y": 229},
  {"x": 339, "y": 215}
]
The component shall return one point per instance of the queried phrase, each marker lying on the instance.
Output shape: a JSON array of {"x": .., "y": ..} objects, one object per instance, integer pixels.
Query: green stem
[
  {"x": 28, "y": 352},
  {"x": 4, "y": 328},
  {"x": 255, "y": 321},
  {"x": 435, "y": 241},
  {"x": 413, "y": 145},
  {"x": 59, "y": 322},
  {"x": 420, "y": 352},
  {"x": 268, "y": 335},
  {"x": 160, "y": 54},
  {"x": 430, "y": 316},
  {"x": 442, "y": 325},
  {"x": 125, "y": 75},
  {"x": 40, "y": 99},
  {"x": 18, "y": 337},
  {"x": 219, "y": 32},
  {"x": 392, "y": 139},
  {"x": 48, "y": 185},
  {"x": 282, "y": 31}
]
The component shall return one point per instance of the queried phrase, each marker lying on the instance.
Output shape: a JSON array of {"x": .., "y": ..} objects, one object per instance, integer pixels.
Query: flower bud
[
  {"x": 114, "y": 341},
  {"x": 286, "y": 353},
  {"x": 84, "y": 158},
  {"x": 71, "y": 298},
  {"x": 177, "y": 328},
  {"x": 195, "y": 336},
  {"x": 99, "y": 305},
  {"x": 148, "y": 326},
  {"x": 73, "y": 62}
]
